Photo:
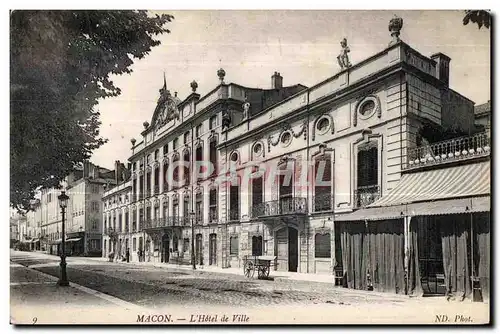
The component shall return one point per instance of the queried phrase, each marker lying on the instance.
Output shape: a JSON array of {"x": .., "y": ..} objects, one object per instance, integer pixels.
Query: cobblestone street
[{"x": 160, "y": 289}]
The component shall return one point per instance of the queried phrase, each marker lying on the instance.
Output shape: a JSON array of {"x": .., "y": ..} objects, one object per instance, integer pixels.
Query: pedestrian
[{"x": 127, "y": 255}]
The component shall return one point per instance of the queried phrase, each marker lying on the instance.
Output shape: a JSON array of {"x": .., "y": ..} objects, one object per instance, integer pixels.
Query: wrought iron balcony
[
  {"x": 322, "y": 202},
  {"x": 126, "y": 228},
  {"x": 283, "y": 206},
  {"x": 366, "y": 195},
  {"x": 450, "y": 150},
  {"x": 167, "y": 222}
]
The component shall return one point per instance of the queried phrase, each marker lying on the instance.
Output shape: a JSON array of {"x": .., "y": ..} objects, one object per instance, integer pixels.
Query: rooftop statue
[
  {"x": 395, "y": 26},
  {"x": 166, "y": 107},
  {"x": 343, "y": 57}
]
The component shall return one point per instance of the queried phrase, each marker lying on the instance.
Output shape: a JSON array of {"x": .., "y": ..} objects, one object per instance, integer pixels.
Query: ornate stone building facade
[{"x": 289, "y": 162}]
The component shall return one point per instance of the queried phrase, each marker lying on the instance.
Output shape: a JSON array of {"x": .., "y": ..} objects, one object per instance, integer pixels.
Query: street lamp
[
  {"x": 63, "y": 203},
  {"x": 193, "y": 262}
]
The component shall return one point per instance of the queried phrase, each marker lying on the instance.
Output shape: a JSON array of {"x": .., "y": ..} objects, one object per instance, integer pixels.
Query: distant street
[{"x": 152, "y": 288}]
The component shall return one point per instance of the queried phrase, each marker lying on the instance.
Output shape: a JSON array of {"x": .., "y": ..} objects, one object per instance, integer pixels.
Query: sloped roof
[{"x": 483, "y": 108}]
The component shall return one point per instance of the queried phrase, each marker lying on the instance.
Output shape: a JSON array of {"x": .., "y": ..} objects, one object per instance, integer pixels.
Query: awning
[
  {"x": 73, "y": 239},
  {"x": 393, "y": 212},
  {"x": 451, "y": 206},
  {"x": 454, "y": 182}
]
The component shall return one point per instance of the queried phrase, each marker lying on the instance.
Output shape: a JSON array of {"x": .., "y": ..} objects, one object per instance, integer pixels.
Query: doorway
[
  {"x": 430, "y": 257},
  {"x": 212, "y": 249},
  {"x": 199, "y": 249},
  {"x": 293, "y": 249},
  {"x": 165, "y": 253}
]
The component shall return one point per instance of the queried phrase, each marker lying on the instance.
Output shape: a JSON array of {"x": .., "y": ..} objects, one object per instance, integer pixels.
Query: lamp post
[
  {"x": 63, "y": 202},
  {"x": 193, "y": 259}
]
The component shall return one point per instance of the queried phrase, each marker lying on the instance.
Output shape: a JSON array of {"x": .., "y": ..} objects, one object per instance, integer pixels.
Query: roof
[{"x": 483, "y": 108}]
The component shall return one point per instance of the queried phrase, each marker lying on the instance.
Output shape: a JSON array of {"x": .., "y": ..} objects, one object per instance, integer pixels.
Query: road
[{"x": 156, "y": 289}]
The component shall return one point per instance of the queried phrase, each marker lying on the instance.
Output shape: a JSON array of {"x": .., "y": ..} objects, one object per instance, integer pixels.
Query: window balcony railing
[
  {"x": 450, "y": 150},
  {"x": 213, "y": 214},
  {"x": 157, "y": 189},
  {"x": 234, "y": 214},
  {"x": 322, "y": 202},
  {"x": 283, "y": 206},
  {"x": 366, "y": 195},
  {"x": 134, "y": 226},
  {"x": 167, "y": 222}
]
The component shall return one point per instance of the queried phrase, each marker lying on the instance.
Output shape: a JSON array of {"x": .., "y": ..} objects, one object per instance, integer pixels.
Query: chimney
[
  {"x": 277, "y": 81},
  {"x": 442, "y": 67},
  {"x": 117, "y": 171}
]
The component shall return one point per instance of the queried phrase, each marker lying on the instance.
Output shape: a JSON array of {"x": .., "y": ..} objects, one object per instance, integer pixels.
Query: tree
[
  {"x": 480, "y": 17},
  {"x": 60, "y": 66}
]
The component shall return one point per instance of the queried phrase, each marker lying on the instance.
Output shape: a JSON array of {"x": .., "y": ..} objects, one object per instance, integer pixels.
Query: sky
[{"x": 301, "y": 45}]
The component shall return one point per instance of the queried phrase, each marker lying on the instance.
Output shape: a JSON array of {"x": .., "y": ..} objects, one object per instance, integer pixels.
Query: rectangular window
[
  {"x": 176, "y": 143},
  {"x": 157, "y": 153},
  {"x": 148, "y": 159},
  {"x": 322, "y": 245},
  {"x": 165, "y": 149},
  {"x": 186, "y": 207},
  {"x": 234, "y": 202},
  {"x": 185, "y": 247},
  {"x": 199, "y": 129},
  {"x": 199, "y": 208},
  {"x": 212, "y": 203},
  {"x": 213, "y": 156},
  {"x": 213, "y": 122},
  {"x": 134, "y": 244},
  {"x": 323, "y": 184},
  {"x": 148, "y": 184},
  {"x": 234, "y": 245},
  {"x": 186, "y": 137}
]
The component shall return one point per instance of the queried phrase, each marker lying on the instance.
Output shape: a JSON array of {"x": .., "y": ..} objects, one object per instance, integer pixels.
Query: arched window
[{"x": 322, "y": 245}]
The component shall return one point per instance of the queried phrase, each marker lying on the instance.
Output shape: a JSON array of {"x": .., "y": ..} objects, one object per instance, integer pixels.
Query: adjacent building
[
  {"x": 482, "y": 115},
  {"x": 83, "y": 226}
]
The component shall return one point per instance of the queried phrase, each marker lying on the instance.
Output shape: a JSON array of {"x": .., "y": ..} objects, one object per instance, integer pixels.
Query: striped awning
[
  {"x": 469, "y": 180},
  {"x": 393, "y": 212}
]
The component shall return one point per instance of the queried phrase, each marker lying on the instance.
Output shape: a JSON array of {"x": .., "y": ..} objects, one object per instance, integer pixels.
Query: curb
[{"x": 114, "y": 300}]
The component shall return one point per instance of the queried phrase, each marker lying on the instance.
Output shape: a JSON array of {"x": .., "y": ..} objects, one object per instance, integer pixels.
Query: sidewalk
[{"x": 35, "y": 299}]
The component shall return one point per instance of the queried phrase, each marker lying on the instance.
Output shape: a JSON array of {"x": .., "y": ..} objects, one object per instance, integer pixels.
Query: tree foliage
[
  {"x": 480, "y": 17},
  {"x": 60, "y": 66}
]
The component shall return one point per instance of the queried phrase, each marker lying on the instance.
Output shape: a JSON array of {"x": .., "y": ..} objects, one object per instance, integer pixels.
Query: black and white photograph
[{"x": 250, "y": 167}]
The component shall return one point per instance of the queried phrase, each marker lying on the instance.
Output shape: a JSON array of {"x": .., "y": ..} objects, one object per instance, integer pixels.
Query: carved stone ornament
[
  {"x": 395, "y": 26},
  {"x": 226, "y": 119},
  {"x": 166, "y": 108},
  {"x": 343, "y": 57},
  {"x": 286, "y": 127},
  {"x": 246, "y": 109}
]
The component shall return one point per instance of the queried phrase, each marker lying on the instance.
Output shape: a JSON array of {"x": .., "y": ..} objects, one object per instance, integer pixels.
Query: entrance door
[
  {"x": 199, "y": 249},
  {"x": 165, "y": 253},
  {"x": 293, "y": 249},
  {"x": 430, "y": 253},
  {"x": 281, "y": 249},
  {"x": 212, "y": 250}
]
